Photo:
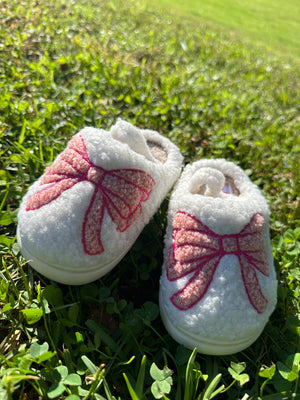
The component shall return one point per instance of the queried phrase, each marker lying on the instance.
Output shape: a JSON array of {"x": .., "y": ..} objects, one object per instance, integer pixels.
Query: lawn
[
  {"x": 65, "y": 65},
  {"x": 270, "y": 25}
]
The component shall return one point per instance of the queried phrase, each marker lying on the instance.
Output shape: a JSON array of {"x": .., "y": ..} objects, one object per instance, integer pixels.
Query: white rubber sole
[
  {"x": 67, "y": 277},
  {"x": 205, "y": 345}
]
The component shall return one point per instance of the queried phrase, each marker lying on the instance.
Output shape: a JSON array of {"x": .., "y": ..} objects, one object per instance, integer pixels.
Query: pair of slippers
[{"x": 218, "y": 284}]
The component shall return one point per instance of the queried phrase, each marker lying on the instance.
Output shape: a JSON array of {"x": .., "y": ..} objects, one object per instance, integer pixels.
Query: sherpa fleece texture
[
  {"x": 223, "y": 321},
  {"x": 52, "y": 234}
]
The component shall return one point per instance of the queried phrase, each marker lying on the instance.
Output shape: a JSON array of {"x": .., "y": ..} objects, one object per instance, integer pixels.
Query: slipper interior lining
[{"x": 157, "y": 151}]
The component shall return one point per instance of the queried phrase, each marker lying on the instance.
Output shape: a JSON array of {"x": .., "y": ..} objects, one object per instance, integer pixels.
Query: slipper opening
[
  {"x": 211, "y": 182},
  {"x": 230, "y": 187},
  {"x": 157, "y": 151}
]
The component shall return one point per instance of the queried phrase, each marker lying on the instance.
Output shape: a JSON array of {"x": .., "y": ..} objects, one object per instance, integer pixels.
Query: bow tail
[
  {"x": 92, "y": 224},
  {"x": 197, "y": 286},
  {"x": 252, "y": 287}
]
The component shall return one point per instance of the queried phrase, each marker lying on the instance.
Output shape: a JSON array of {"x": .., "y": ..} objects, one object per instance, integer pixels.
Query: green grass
[
  {"x": 64, "y": 65},
  {"x": 273, "y": 25}
]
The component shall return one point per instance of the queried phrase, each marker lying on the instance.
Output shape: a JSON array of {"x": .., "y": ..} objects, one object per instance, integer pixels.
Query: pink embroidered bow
[
  {"x": 198, "y": 249},
  {"x": 119, "y": 191}
]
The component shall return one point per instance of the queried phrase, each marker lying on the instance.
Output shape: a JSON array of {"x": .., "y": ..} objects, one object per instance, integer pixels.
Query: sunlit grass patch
[{"x": 271, "y": 26}]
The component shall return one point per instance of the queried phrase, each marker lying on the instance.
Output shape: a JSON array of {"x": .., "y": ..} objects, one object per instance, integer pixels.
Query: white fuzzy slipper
[
  {"x": 218, "y": 286},
  {"x": 83, "y": 215}
]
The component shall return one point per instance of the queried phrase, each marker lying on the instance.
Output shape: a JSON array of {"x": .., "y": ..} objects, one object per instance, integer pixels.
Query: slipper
[
  {"x": 218, "y": 286},
  {"x": 83, "y": 215}
]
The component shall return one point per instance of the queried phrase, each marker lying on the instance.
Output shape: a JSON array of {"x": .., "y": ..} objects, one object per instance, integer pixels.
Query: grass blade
[
  {"x": 210, "y": 392},
  {"x": 189, "y": 387},
  {"x": 139, "y": 387},
  {"x": 132, "y": 392}
]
